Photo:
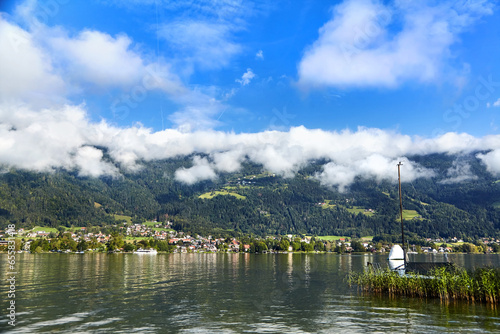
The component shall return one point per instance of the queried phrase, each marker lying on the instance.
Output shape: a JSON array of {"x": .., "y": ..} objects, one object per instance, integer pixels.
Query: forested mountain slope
[{"x": 462, "y": 199}]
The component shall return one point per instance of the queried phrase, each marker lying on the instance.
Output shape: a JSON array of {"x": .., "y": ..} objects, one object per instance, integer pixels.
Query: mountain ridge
[{"x": 254, "y": 201}]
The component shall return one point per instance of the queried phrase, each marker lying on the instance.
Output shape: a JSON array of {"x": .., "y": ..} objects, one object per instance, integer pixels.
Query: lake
[{"x": 223, "y": 293}]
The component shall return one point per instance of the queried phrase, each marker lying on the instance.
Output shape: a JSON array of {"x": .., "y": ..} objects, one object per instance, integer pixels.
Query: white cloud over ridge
[
  {"x": 50, "y": 139},
  {"x": 373, "y": 166},
  {"x": 492, "y": 161},
  {"x": 459, "y": 172},
  {"x": 357, "y": 48},
  {"x": 201, "y": 170}
]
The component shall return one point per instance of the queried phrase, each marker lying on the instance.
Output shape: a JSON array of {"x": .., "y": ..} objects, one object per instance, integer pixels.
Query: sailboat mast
[{"x": 401, "y": 212}]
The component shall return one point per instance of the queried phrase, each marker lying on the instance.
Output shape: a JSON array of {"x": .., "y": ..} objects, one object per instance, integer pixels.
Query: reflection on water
[{"x": 228, "y": 293}]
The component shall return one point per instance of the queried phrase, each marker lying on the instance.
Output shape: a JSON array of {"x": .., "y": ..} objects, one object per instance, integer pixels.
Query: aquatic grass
[
  {"x": 487, "y": 284},
  {"x": 446, "y": 283}
]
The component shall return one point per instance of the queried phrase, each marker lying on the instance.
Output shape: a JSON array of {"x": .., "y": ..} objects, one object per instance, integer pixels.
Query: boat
[
  {"x": 146, "y": 251},
  {"x": 398, "y": 258}
]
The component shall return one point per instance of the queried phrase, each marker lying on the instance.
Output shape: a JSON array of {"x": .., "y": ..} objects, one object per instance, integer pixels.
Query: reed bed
[{"x": 479, "y": 285}]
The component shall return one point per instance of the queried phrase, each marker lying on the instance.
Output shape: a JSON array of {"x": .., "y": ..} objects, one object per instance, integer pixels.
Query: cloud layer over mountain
[{"x": 64, "y": 138}]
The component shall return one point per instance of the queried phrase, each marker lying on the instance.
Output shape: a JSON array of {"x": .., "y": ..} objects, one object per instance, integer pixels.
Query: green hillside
[
  {"x": 212, "y": 194},
  {"x": 257, "y": 202}
]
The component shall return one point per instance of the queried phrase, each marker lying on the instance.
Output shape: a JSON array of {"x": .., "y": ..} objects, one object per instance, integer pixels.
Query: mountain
[{"x": 460, "y": 199}]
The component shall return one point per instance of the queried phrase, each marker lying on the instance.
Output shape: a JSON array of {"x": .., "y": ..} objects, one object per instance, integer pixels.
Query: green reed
[{"x": 482, "y": 285}]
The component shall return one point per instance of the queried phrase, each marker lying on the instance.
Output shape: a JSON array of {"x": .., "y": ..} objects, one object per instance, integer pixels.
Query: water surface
[{"x": 223, "y": 293}]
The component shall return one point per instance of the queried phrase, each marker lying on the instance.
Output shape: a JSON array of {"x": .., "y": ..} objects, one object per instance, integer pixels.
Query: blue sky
[
  {"x": 424, "y": 70},
  {"x": 296, "y": 56}
]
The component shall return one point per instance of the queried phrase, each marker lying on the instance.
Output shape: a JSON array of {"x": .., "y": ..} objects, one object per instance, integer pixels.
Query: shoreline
[{"x": 265, "y": 253}]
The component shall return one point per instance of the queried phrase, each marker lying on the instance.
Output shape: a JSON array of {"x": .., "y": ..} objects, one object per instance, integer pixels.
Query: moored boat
[
  {"x": 146, "y": 251},
  {"x": 398, "y": 258}
]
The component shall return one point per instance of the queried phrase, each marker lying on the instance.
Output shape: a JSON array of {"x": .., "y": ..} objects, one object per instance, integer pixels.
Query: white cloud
[
  {"x": 452, "y": 143},
  {"x": 375, "y": 166},
  {"x": 357, "y": 47},
  {"x": 492, "y": 161},
  {"x": 227, "y": 10},
  {"x": 90, "y": 163},
  {"x": 41, "y": 140},
  {"x": 54, "y": 138},
  {"x": 67, "y": 64},
  {"x": 71, "y": 66},
  {"x": 201, "y": 170},
  {"x": 96, "y": 58},
  {"x": 199, "y": 110},
  {"x": 206, "y": 44},
  {"x": 24, "y": 66},
  {"x": 193, "y": 118},
  {"x": 100, "y": 59},
  {"x": 337, "y": 176},
  {"x": 203, "y": 33},
  {"x": 246, "y": 77},
  {"x": 229, "y": 161},
  {"x": 460, "y": 171},
  {"x": 259, "y": 55},
  {"x": 496, "y": 103}
]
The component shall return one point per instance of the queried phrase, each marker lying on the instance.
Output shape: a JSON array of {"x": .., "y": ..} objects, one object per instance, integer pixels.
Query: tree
[
  {"x": 143, "y": 243},
  {"x": 284, "y": 244},
  {"x": 55, "y": 244},
  {"x": 465, "y": 248},
  {"x": 357, "y": 246},
  {"x": 328, "y": 246},
  {"x": 82, "y": 245},
  {"x": 33, "y": 246},
  {"x": 319, "y": 246},
  {"x": 71, "y": 245},
  {"x": 61, "y": 230},
  {"x": 163, "y": 246},
  {"x": 93, "y": 243},
  {"x": 128, "y": 247},
  {"x": 115, "y": 242},
  {"x": 307, "y": 247},
  {"x": 260, "y": 246},
  {"x": 101, "y": 247},
  {"x": 138, "y": 220},
  {"x": 469, "y": 248}
]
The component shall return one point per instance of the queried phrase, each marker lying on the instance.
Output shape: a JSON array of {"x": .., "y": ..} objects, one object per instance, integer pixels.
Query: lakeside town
[{"x": 160, "y": 236}]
